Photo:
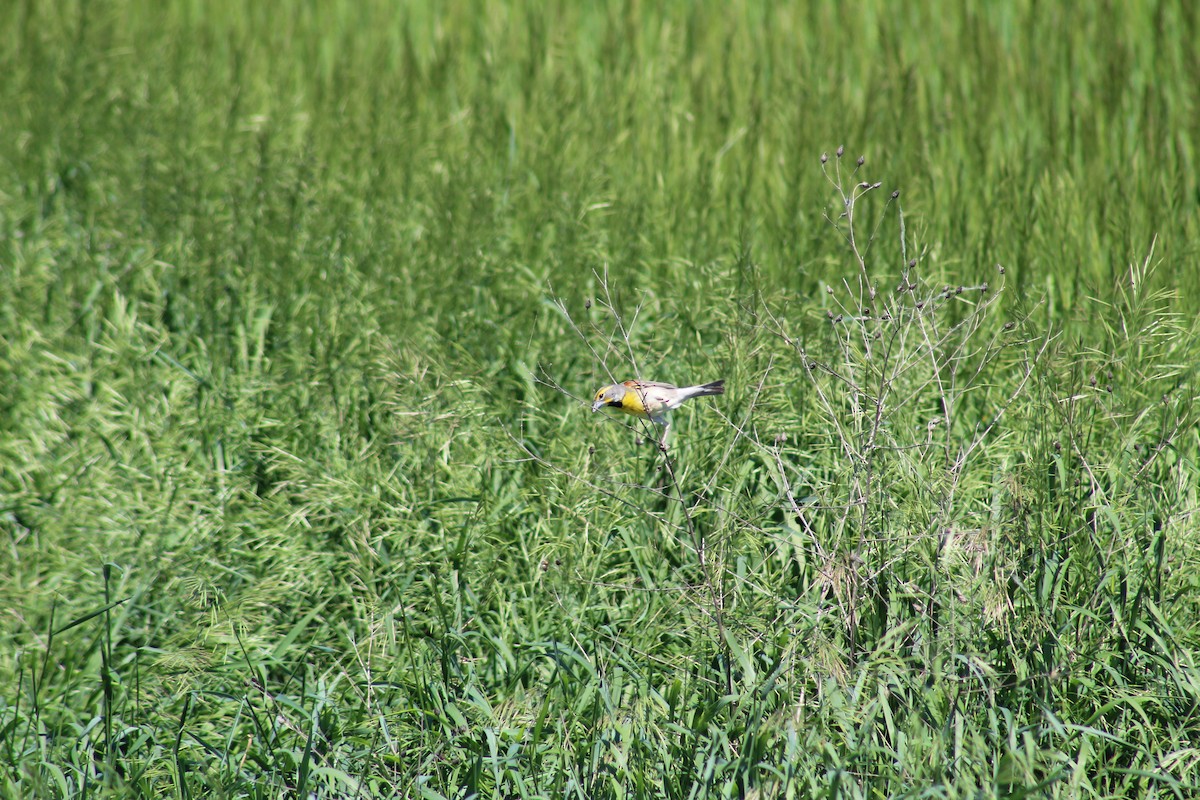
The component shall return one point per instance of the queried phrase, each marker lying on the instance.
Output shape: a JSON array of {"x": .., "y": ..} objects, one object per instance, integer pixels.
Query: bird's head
[{"x": 609, "y": 396}]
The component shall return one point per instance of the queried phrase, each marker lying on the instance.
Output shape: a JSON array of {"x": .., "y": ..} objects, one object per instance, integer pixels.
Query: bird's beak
[{"x": 596, "y": 406}]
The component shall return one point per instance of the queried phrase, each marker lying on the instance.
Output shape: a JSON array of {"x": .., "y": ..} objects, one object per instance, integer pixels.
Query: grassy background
[{"x": 302, "y": 306}]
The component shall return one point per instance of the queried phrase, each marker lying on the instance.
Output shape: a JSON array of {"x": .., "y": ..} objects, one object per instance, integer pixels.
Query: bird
[{"x": 650, "y": 399}]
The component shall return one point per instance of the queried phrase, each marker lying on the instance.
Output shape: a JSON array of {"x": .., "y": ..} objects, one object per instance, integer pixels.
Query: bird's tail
[{"x": 716, "y": 387}]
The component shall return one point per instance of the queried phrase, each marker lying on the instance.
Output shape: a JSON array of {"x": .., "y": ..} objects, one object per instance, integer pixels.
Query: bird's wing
[{"x": 656, "y": 396}]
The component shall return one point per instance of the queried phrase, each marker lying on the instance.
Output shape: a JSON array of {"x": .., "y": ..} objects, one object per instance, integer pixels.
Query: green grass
[{"x": 302, "y": 310}]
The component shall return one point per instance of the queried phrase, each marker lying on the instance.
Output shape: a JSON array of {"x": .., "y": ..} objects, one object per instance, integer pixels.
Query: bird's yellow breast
[{"x": 631, "y": 403}]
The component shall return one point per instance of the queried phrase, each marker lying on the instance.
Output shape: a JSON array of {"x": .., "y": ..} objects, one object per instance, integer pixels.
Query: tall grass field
[{"x": 304, "y": 305}]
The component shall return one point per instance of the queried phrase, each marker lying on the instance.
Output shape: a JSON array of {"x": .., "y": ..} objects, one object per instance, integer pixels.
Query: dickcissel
[{"x": 650, "y": 399}]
